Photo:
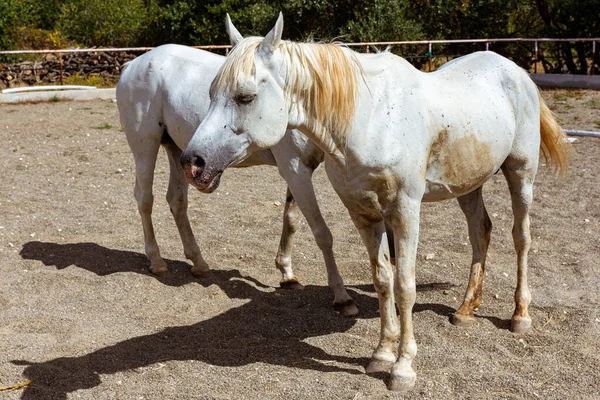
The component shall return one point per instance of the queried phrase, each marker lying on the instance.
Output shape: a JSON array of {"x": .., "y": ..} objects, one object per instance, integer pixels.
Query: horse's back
[
  {"x": 505, "y": 93},
  {"x": 169, "y": 65},
  {"x": 482, "y": 109},
  {"x": 486, "y": 74},
  {"x": 167, "y": 89}
]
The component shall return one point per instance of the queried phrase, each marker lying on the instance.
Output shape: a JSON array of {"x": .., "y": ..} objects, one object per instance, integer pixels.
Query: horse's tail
[{"x": 554, "y": 144}]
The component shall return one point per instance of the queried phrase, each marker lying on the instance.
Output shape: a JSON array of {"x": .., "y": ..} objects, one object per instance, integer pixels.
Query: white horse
[
  {"x": 162, "y": 97},
  {"x": 393, "y": 137}
]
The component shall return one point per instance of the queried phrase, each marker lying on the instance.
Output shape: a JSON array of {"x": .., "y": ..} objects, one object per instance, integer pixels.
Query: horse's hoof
[
  {"x": 462, "y": 320},
  {"x": 291, "y": 285},
  {"x": 201, "y": 272},
  {"x": 347, "y": 308},
  {"x": 379, "y": 366},
  {"x": 159, "y": 270},
  {"x": 520, "y": 325},
  {"x": 402, "y": 382},
  {"x": 200, "y": 268}
]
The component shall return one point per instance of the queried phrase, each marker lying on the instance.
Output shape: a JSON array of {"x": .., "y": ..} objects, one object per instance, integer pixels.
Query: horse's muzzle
[{"x": 203, "y": 178}]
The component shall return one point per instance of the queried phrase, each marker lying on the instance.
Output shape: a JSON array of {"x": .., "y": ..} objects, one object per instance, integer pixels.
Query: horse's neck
[
  {"x": 382, "y": 81},
  {"x": 303, "y": 115},
  {"x": 325, "y": 142}
]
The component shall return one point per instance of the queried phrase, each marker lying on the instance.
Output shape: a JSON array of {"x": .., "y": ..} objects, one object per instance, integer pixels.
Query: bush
[
  {"x": 26, "y": 37},
  {"x": 103, "y": 22}
]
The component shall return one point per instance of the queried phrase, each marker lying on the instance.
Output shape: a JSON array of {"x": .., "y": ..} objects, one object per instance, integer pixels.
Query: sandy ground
[{"x": 82, "y": 318}]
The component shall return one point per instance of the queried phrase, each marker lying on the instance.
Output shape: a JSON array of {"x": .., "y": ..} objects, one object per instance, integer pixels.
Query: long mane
[{"x": 321, "y": 77}]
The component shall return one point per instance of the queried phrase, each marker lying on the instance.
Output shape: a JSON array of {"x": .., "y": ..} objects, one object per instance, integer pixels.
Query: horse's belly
[
  {"x": 460, "y": 167},
  {"x": 438, "y": 191}
]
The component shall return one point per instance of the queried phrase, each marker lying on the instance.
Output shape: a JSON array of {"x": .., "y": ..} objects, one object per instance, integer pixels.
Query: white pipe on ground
[
  {"x": 581, "y": 133},
  {"x": 46, "y": 88}
]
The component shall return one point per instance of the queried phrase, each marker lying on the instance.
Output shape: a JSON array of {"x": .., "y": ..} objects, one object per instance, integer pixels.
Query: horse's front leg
[
  {"x": 177, "y": 197},
  {"x": 299, "y": 179},
  {"x": 144, "y": 143},
  {"x": 405, "y": 223},
  {"x": 374, "y": 237}
]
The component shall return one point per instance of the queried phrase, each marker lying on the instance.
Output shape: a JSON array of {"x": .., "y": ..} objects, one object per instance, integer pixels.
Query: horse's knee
[
  {"x": 144, "y": 202},
  {"x": 323, "y": 237},
  {"x": 177, "y": 203}
]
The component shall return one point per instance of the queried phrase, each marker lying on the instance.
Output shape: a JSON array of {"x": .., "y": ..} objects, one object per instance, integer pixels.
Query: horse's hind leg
[
  {"x": 177, "y": 197},
  {"x": 520, "y": 175},
  {"x": 145, "y": 151},
  {"x": 283, "y": 260},
  {"x": 480, "y": 228}
]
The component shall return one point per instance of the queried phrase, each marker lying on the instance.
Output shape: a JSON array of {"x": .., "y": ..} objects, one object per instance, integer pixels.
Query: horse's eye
[{"x": 245, "y": 98}]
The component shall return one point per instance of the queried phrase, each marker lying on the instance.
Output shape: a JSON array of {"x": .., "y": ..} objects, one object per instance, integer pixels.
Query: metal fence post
[
  {"x": 593, "y": 57},
  {"x": 430, "y": 56},
  {"x": 535, "y": 60},
  {"x": 60, "y": 67}
]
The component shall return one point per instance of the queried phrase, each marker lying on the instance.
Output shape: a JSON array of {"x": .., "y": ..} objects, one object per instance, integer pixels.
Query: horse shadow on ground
[
  {"x": 103, "y": 261},
  {"x": 270, "y": 328}
]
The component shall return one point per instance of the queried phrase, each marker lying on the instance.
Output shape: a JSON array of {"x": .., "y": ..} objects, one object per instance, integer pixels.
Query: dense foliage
[{"x": 60, "y": 23}]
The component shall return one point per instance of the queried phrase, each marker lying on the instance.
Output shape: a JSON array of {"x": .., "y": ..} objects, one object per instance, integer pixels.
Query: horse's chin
[{"x": 212, "y": 185}]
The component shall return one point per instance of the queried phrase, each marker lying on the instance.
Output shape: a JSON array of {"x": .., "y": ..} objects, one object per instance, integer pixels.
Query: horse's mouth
[{"x": 210, "y": 186}]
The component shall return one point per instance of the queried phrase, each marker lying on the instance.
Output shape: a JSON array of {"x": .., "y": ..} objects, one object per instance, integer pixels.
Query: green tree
[
  {"x": 103, "y": 22},
  {"x": 383, "y": 20},
  {"x": 462, "y": 19},
  {"x": 570, "y": 19},
  {"x": 8, "y": 14},
  {"x": 26, "y": 24},
  {"x": 203, "y": 22},
  {"x": 42, "y": 23}
]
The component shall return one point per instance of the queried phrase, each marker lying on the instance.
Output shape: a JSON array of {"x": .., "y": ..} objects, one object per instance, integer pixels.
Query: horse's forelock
[{"x": 239, "y": 65}]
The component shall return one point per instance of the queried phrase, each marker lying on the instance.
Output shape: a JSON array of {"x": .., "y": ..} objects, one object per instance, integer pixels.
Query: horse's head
[{"x": 248, "y": 111}]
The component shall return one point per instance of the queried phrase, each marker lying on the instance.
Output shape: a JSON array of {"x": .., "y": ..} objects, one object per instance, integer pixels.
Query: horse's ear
[
  {"x": 234, "y": 35},
  {"x": 273, "y": 38}
]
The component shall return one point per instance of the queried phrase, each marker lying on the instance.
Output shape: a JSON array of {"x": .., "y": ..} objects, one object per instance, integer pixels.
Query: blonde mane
[{"x": 322, "y": 77}]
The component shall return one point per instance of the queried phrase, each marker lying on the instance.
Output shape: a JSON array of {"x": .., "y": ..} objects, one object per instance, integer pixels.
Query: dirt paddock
[{"x": 81, "y": 318}]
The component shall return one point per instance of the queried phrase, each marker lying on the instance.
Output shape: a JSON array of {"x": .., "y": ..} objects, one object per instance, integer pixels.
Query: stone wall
[{"x": 46, "y": 71}]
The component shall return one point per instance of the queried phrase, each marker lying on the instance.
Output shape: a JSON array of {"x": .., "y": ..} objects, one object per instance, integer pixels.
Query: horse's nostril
[
  {"x": 199, "y": 162},
  {"x": 190, "y": 160}
]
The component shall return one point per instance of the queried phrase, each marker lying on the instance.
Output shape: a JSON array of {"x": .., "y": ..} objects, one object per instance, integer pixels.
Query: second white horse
[{"x": 162, "y": 97}]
